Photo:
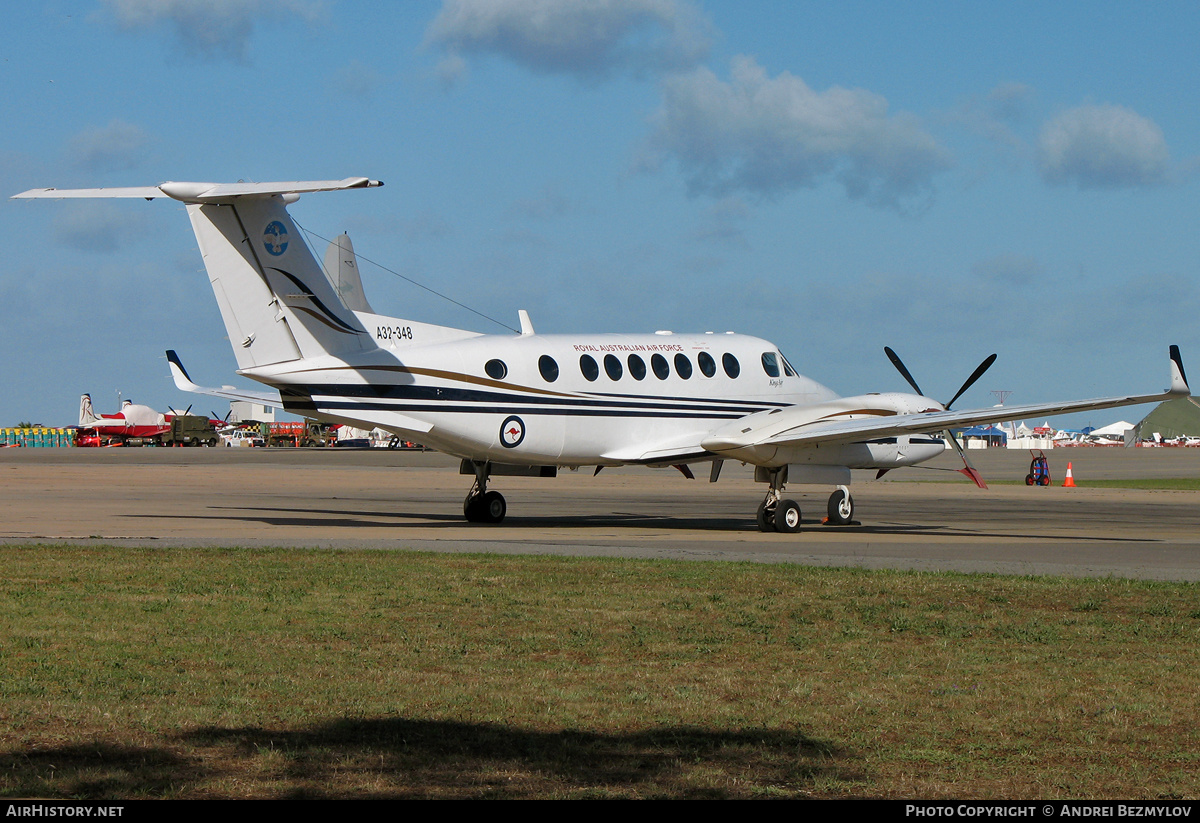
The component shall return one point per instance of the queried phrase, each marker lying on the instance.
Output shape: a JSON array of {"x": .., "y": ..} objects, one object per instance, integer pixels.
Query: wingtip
[{"x": 1179, "y": 383}]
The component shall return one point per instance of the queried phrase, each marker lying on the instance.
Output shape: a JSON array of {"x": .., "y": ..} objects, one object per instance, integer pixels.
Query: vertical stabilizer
[
  {"x": 276, "y": 302},
  {"x": 86, "y": 414},
  {"x": 342, "y": 267}
]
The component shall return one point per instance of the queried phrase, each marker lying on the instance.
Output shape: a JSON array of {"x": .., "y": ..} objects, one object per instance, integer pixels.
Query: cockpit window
[
  {"x": 612, "y": 366},
  {"x": 787, "y": 367},
  {"x": 659, "y": 364},
  {"x": 770, "y": 364},
  {"x": 588, "y": 366},
  {"x": 548, "y": 367}
]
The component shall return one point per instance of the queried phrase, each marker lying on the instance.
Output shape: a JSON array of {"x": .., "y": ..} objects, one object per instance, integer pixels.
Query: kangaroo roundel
[
  {"x": 275, "y": 238},
  {"x": 512, "y": 432}
]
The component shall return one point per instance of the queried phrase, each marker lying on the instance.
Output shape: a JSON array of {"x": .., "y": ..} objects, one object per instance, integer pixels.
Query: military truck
[{"x": 190, "y": 430}]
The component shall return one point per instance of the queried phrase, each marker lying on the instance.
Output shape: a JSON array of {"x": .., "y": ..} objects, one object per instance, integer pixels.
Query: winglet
[
  {"x": 182, "y": 381},
  {"x": 1179, "y": 384}
]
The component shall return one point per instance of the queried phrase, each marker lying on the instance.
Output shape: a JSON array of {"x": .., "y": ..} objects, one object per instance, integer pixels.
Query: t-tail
[{"x": 277, "y": 303}]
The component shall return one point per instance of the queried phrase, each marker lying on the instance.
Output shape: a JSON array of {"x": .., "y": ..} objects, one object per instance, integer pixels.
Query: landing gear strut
[
  {"x": 775, "y": 514},
  {"x": 481, "y": 505}
]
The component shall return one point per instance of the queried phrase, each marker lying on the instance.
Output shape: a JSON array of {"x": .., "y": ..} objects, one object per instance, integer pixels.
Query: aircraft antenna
[
  {"x": 410, "y": 280},
  {"x": 1001, "y": 395}
]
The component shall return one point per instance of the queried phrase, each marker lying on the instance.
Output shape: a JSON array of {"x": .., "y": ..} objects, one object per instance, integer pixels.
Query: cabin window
[
  {"x": 708, "y": 366},
  {"x": 612, "y": 366},
  {"x": 683, "y": 366},
  {"x": 732, "y": 367},
  {"x": 548, "y": 367},
  {"x": 770, "y": 364},
  {"x": 496, "y": 369},
  {"x": 658, "y": 364},
  {"x": 637, "y": 367},
  {"x": 587, "y": 365}
]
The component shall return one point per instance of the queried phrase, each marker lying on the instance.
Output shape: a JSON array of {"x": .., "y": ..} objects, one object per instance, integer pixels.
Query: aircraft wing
[
  {"x": 772, "y": 428},
  {"x": 184, "y": 383}
]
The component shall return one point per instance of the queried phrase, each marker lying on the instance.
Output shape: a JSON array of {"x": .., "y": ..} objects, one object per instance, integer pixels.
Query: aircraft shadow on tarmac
[{"x": 337, "y": 518}]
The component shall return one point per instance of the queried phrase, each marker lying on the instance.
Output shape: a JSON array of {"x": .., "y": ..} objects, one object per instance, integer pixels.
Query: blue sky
[{"x": 950, "y": 179}]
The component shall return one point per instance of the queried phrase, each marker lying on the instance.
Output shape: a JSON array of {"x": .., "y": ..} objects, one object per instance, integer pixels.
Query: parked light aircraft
[
  {"x": 527, "y": 404},
  {"x": 132, "y": 423}
]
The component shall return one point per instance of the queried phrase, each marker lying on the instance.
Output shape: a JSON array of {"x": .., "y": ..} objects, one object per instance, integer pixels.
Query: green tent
[{"x": 1172, "y": 419}]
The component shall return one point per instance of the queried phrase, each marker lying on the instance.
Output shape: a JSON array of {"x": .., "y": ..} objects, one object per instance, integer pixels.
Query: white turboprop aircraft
[{"x": 528, "y": 404}]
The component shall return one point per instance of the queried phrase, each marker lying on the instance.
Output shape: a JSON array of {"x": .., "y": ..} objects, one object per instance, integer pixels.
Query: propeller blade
[
  {"x": 969, "y": 470},
  {"x": 978, "y": 373},
  {"x": 903, "y": 371}
]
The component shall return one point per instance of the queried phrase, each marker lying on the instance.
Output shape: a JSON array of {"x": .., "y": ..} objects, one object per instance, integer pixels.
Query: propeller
[
  {"x": 975, "y": 375},
  {"x": 969, "y": 470}
]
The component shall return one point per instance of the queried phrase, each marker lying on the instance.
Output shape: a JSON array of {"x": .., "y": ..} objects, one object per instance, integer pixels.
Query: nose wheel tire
[{"x": 841, "y": 508}]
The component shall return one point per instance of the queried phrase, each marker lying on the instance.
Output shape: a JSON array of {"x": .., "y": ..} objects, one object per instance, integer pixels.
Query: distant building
[{"x": 242, "y": 410}]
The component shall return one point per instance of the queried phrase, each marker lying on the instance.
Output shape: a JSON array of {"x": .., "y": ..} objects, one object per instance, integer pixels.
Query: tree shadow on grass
[{"x": 404, "y": 758}]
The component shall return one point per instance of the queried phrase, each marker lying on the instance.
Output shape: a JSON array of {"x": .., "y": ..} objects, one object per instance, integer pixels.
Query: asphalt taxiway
[{"x": 380, "y": 499}]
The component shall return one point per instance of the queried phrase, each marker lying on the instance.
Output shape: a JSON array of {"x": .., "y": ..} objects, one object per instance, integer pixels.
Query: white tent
[{"x": 1117, "y": 429}]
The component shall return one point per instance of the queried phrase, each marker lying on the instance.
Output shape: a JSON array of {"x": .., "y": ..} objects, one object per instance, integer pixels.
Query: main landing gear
[
  {"x": 481, "y": 505},
  {"x": 775, "y": 514},
  {"x": 778, "y": 514}
]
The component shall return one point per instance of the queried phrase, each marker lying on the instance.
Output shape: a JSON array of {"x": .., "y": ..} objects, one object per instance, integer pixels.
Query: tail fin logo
[{"x": 275, "y": 238}]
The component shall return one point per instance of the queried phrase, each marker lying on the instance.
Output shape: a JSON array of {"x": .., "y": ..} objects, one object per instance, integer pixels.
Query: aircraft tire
[
  {"x": 765, "y": 518},
  {"x": 493, "y": 507},
  {"x": 787, "y": 517},
  {"x": 473, "y": 508},
  {"x": 840, "y": 508}
]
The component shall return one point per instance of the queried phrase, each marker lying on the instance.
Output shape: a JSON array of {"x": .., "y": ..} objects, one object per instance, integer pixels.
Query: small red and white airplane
[
  {"x": 132, "y": 422},
  {"x": 529, "y": 403}
]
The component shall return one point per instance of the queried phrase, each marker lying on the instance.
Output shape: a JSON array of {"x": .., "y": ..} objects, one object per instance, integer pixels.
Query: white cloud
[
  {"x": 995, "y": 115},
  {"x": 97, "y": 227},
  {"x": 119, "y": 146},
  {"x": 1009, "y": 270},
  {"x": 1103, "y": 146},
  {"x": 768, "y": 136},
  {"x": 588, "y": 38},
  {"x": 211, "y": 28}
]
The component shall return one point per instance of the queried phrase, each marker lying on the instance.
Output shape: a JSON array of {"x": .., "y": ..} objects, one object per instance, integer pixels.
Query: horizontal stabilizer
[{"x": 204, "y": 192}]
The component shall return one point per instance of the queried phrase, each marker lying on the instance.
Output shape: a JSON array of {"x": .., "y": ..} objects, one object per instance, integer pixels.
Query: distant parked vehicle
[{"x": 243, "y": 437}]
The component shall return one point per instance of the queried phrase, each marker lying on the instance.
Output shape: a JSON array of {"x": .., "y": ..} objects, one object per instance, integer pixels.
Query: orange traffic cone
[{"x": 1069, "y": 483}]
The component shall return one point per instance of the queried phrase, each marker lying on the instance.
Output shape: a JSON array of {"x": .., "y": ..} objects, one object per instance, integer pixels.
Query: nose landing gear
[{"x": 840, "y": 508}]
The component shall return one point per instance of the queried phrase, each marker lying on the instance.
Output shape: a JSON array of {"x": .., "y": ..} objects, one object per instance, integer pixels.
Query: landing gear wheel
[
  {"x": 473, "y": 508},
  {"x": 493, "y": 507},
  {"x": 488, "y": 507},
  {"x": 787, "y": 517},
  {"x": 765, "y": 517},
  {"x": 841, "y": 508}
]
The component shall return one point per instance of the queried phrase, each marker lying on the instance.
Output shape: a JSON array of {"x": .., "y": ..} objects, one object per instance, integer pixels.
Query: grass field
[{"x": 279, "y": 673}]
